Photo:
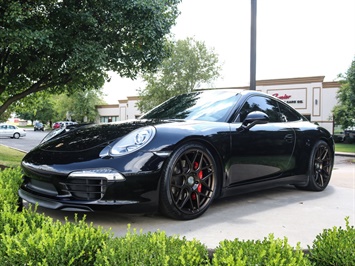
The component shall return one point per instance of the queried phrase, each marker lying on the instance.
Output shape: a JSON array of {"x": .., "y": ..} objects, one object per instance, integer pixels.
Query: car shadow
[{"x": 224, "y": 215}]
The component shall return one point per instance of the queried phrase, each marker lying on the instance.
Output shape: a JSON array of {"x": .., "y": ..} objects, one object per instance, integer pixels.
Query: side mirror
[{"x": 254, "y": 118}]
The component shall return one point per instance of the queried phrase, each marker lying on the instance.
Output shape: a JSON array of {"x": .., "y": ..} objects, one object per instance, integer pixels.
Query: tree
[
  {"x": 39, "y": 106},
  {"x": 189, "y": 65},
  {"x": 64, "y": 45},
  {"x": 79, "y": 106},
  {"x": 344, "y": 111}
]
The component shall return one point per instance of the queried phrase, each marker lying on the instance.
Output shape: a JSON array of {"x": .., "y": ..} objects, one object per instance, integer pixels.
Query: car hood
[
  {"x": 75, "y": 148},
  {"x": 92, "y": 136}
]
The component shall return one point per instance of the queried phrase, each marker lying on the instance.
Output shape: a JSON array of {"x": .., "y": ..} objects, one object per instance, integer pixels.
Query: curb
[
  {"x": 14, "y": 148},
  {"x": 346, "y": 154}
]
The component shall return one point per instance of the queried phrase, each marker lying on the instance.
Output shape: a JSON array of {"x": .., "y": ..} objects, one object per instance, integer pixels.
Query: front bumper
[
  {"x": 87, "y": 191},
  {"x": 69, "y": 205}
]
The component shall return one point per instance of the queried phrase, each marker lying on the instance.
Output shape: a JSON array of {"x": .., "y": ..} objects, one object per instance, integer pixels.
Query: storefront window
[{"x": 108, "y": 119}]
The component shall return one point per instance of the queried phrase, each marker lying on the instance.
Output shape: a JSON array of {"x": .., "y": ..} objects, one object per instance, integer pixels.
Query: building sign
[{"x": 297, "y": 98}]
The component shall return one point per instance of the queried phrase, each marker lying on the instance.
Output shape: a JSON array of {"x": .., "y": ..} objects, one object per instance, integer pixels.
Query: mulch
[{"x": 2, "y": 167}]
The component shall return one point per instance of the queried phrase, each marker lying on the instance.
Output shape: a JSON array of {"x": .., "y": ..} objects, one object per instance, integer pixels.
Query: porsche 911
[{"x": 179, "y": 157}]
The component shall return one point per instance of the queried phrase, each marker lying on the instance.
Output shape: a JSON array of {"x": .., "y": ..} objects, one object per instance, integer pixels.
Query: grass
[
  {"x": 10, "y": 157},
  {"x": 342, "y": 147}
]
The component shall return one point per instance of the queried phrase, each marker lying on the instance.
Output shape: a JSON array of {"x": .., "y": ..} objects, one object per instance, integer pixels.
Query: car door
[
  {"x": 10, "y": 131},
  {"x": 3, "y": 130},
  {"x": 265, "y": 150}
]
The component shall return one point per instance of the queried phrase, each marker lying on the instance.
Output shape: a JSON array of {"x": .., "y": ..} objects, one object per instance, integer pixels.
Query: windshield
[{"x": 209, "y": 105}]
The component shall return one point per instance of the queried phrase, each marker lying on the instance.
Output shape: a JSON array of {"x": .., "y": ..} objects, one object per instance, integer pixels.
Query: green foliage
[
  {"x": 6, "y": 114},
  {"x": 10, "y": 180},
  {"x": 39, "y": 106},
  {"x": 42, "y": 106},
  {"x": 334, "y": 246},
  {"x": 344, "y": 112},
  {"x": 69, "y": 45},
  {"x": 190, "y": 64},
  {"x": 152, "y": 249},
  {"x": 30, "y": 238},
  {"x": 36, "y": 239},
  {"x": 80, "y": 106},
  {"x": 268, "y": 252}
]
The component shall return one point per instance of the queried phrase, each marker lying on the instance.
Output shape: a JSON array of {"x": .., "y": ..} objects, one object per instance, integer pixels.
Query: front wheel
[
  {"x": 189, "y": 182},
  {"x": 320, "y": 167}
]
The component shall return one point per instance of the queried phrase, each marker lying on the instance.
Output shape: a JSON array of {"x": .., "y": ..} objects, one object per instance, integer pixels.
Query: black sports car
[{"x": 180, "y": 156}]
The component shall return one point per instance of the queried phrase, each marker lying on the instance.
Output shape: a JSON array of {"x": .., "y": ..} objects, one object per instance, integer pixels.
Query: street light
[{"x": 253, "y": 45}]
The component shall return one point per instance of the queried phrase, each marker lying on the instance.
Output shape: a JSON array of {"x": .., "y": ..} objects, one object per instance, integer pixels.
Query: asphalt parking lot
[
  {"x": 285, "y": 212},
  {"x": 32, "y": 139}
]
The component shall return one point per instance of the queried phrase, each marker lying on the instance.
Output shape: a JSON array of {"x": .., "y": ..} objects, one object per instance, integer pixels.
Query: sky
[{"x": 295, "y": 38}]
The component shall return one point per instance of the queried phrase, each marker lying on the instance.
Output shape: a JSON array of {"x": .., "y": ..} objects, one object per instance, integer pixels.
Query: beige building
[
  {"x": 311, "y": 96},
  {"x": 124, "y": 110}
]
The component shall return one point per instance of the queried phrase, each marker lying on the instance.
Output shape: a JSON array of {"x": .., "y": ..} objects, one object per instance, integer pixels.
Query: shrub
[
  {"x": 30, "y": 238},
  {"x": 152, "y": 249},
  {"x": 34, "y": 239},
  {"x": 334, "y": 246},
  {"x": 10, "y": 181},
  {"x": 269, "y": 252}
]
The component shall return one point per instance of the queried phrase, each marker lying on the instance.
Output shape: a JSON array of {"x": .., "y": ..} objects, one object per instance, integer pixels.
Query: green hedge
[
  {"x": 50, "y": 243},
  {"x": 152, "y": 249},
  {"x": 10, "y": 181},
  {"x": 270, "y": 252},
  {"x": 334, "y": 246},
  {"x": 29, "y": 238}
]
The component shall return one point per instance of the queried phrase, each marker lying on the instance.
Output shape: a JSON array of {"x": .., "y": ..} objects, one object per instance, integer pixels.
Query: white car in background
[{"x": 11, "y": 131}]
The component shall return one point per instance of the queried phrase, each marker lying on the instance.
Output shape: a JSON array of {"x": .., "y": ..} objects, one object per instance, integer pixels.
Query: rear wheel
[
  {"x": 320, "y": 167},
  {"x": 16, "y": 135},
  {"x": 188, "y": 183}
]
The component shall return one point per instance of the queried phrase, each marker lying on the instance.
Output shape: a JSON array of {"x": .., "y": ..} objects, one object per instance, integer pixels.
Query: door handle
[{"x": 289, "y": 138}]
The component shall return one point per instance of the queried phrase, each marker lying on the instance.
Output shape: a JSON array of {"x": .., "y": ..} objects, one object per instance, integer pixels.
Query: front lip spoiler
[
  {"x": 68, "y": 206},
  {"x": 51, "y": 204}
]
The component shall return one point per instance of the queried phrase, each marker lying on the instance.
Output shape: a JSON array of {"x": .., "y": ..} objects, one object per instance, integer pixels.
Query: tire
[
  {"x": 320, "y": 167},
  {"x": 189, "y": 182},
  {"x": 16, "y": 135}
]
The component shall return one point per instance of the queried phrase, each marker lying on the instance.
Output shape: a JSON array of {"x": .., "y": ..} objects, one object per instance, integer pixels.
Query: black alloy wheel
[
  {"x": 320, "y": 167},
  {"x": 189, "y": 182}
]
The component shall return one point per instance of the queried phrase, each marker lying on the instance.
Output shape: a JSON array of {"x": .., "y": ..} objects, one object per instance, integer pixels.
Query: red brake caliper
[{"x": 199, "y": 175}]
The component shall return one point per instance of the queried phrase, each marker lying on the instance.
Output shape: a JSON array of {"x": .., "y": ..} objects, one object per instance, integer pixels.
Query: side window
[
  {"x": 262, "y": 104},
  {"x": 289, "y": 115}
]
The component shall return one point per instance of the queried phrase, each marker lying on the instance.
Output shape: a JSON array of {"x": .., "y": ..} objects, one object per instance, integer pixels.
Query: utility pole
[{"x": 253, "y": 46}]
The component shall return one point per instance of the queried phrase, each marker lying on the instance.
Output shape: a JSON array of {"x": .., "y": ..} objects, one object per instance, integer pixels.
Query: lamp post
[{"x": 253, "y": 45}]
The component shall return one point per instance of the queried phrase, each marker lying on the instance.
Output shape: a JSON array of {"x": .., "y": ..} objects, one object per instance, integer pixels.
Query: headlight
[{"x": 133, "y": 141}]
